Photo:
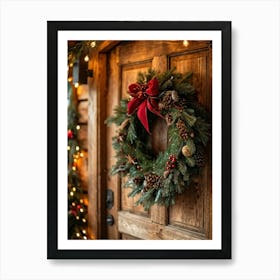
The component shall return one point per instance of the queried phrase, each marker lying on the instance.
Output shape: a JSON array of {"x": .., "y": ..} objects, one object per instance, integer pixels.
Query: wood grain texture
[
  {"x": 143, "y": 228},
  {"x": 129, "y": 73},
  {"x": 191, "y": 217},
  {"x": 112, "y": 100},
  {"x": 133, "y": 51},
  {"x": 193, "y": 208},
  {"x": 96, "y": 136}
]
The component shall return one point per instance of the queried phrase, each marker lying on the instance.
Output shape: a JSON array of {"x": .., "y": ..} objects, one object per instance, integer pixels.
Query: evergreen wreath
[{"x": 159, "y": 178}]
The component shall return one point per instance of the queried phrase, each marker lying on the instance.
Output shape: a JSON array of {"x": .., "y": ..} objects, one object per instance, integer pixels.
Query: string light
[
  {"x": 77, "y": 210},
  {"x": 185, "y": 43}
]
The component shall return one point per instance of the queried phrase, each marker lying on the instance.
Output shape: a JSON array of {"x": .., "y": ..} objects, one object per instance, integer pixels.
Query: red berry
[{"x": 70, "y": 134}]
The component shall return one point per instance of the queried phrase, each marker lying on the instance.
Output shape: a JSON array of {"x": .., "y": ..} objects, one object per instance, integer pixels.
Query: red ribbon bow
[{"x": 144, "y": 97}]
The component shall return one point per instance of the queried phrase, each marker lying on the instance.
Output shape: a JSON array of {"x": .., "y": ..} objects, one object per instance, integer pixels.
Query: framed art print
[{"x": 139, "y": 140}]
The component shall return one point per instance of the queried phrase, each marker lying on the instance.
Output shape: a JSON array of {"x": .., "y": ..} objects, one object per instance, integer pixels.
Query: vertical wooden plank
[
  {"x": 208, "y": 168},
  {"x": 159, "y": 213},
  {"x": 96, "y": 134},
  {"x": 112, "y": 182},
  {"x": 101, "y": 154}
]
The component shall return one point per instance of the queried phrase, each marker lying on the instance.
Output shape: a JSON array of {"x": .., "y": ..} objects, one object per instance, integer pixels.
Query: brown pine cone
[
  {"x": 182, "y": 129},
  {"x": 152, "y": 181},
  {"x": 167, "y": 100}
]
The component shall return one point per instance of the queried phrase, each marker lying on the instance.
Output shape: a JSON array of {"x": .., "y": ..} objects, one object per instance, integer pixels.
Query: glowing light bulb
[
  {"x": 77, "y": 234},
  {"x": 77, "y": 217},
  {"x": 76, "y": 85},
  {"x": 84, "y": 231},
  {"x": 71, "y": 193},
  {"x": 86, "y": 58},
  {"x": 84, "y": 220},
  {"x": 71, "y": 64},
  {"x": 73, "y": 204},
  {"x": 74, "y": 168},
  {"x": 84, "y": 237},
  {"x": 185, "y": 43},
  {"x": 70, "y": 79},
  {"x": 93, "y": 44},
  {"x": 74, "y": 189},
  {"x": 81, "y": 201},
  {"x": 77, "y": 148},
  {"x": 81, "y": 155},
  {"x": 81, "y": 210},
  {"x": 78, "y": 127},
  {"x": 68, "y": 148}
]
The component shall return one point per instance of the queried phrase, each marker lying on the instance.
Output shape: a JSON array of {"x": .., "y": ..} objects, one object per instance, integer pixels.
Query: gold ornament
[
  {"x": 186, "y": 151},
  {"x": 189, "y": 149}
]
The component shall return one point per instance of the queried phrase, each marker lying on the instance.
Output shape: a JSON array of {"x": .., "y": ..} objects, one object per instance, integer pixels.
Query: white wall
[{"x": 255, "y": 101}]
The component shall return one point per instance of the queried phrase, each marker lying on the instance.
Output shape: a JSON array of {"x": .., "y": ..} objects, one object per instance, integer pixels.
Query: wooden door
[{"x": 190, "y": 217}]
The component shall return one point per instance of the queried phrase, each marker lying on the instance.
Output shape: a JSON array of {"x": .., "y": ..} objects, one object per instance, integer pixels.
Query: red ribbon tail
[
  {"x": 143, "y": 115},
  {"x": 133, "y": 104}
]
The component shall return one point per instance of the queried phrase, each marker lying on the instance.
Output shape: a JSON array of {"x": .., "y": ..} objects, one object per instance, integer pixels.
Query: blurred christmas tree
[{"x": 77, "y": 197}]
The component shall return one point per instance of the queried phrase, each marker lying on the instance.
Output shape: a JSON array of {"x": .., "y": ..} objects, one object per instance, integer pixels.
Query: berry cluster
[{"x": 171, "y": 163}]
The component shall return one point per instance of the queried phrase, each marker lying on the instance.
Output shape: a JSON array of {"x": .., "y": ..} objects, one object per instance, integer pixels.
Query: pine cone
[
  {"x": 166, "y": 101},
  {"x": 152, "y": 181},
  {"x": 200, "y": 158},
  {"x": 182, "y": 129}
]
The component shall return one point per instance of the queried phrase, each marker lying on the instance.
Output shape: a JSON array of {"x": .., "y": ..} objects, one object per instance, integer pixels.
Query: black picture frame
[{"x": 53, "y": 27}]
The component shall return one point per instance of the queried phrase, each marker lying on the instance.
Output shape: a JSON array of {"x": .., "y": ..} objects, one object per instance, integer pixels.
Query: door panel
[
  {"x": 189, "y": 210},
  {"x": 129, "y": 76},
  {"x": 190, "y": 217}
]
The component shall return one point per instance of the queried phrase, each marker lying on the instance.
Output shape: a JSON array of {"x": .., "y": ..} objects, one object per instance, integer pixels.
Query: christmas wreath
[{"x": 159, "y": 178}]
